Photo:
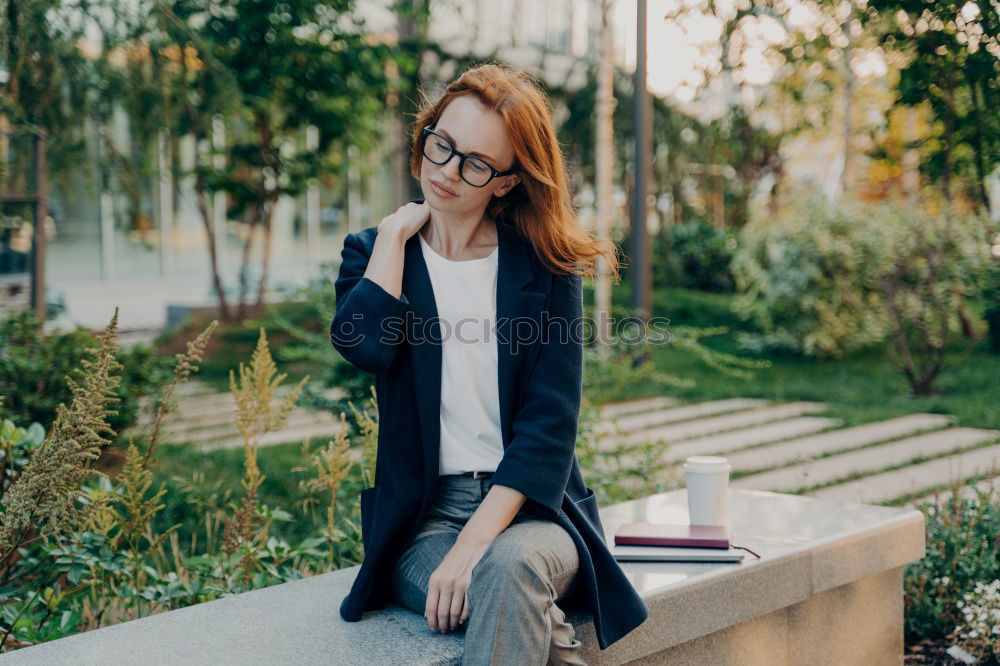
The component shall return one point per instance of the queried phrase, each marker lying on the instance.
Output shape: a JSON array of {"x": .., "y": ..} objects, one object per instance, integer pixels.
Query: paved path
[
  {"x": 792, "y": 447},
  {"x": 914, "y": 478},
  {"x": 205, "y": 418},
  {"x": 675, "y": 432},
  {"x": 869, "y": 460}
]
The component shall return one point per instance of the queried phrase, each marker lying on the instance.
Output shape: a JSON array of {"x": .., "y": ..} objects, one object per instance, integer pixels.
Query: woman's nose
[{"x": 450, "y": 168}]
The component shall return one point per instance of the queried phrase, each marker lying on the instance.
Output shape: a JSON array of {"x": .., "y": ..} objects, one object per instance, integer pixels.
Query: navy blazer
[{"x": 540, "y": 383}]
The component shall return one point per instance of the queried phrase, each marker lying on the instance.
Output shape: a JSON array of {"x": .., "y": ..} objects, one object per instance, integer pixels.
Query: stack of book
[{"x": 671, "y": 542}]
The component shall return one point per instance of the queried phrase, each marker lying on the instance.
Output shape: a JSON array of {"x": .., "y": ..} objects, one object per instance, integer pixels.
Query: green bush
[
  {"x": 694, "y": 255},
  {"x": 992, "y": 296},
  {"x": 34, "y": 366},
  {"x": 825, "y": 280},
  {"x": 963, "y": 548},
  {"x": 612, "y": 373},
  {"x": 16, "y": 444},
  {"x": 929, "y": 265},
  {"x": 318, "y": 304},
  {"x": 801, "y": 278}
]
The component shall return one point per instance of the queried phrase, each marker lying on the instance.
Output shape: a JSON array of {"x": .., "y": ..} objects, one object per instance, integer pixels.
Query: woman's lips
[{"x": 441, "y": 191}]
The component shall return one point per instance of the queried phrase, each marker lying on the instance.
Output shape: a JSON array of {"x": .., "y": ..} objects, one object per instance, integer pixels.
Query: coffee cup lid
[{"x": 706, "y": 464}]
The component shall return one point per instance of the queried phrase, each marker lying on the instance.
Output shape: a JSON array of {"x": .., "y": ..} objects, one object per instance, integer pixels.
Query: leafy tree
[
  {"x": 782, "y": 71},
  {"x": 270, "y": 70},
  {"x": 952, "y": 68},
  {"x": 44, "y": 77}
]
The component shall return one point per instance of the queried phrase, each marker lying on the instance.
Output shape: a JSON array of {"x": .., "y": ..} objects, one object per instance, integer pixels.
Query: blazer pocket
[{"x": 588, "y": 507}]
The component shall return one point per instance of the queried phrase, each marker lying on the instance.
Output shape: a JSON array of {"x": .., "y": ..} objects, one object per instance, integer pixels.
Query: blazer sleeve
[
  {"x": 368, "y": 324},
  {"x": 539, "y": 458}
]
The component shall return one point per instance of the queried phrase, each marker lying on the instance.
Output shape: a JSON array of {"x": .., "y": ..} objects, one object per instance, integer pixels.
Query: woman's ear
[{"x": 513, "y": 180}]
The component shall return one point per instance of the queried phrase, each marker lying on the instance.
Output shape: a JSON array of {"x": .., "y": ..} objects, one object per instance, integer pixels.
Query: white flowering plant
[{"x": 979, "y": 631}]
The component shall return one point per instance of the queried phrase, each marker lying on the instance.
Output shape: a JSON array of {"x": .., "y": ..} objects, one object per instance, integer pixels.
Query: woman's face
[{"x": 476, "y": 130}]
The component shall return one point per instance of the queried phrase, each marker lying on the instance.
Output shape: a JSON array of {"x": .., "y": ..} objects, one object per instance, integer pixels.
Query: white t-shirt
[{"x": 465, "y": 295}]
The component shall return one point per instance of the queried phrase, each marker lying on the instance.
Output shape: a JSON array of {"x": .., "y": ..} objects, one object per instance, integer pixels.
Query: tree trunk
[
  {"x": 949, "y": 137},
  {"x": 268, "y": 200},
  {"x": 213, "y": 254},
  {"x": 265, "y": 262},
  {"x": 254, "y": 216},
  {"x": 969, "y": 330},
  {"x": 197, "y": 130},
  {"x": 977, "y": 142}
]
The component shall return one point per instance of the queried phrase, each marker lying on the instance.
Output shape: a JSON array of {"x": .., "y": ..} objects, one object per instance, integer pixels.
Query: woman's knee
[
  {"x": 524, "y": 558},
  {"x": 412, "y": 571}
]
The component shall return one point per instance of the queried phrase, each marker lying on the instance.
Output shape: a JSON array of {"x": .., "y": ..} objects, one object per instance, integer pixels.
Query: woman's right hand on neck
[
  {"x": 385, "y": 266},
  {"x": 406, "y": 221}
]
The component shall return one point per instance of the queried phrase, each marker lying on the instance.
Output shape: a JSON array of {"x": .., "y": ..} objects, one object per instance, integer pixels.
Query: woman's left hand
[{"x": 448, "y": 587}]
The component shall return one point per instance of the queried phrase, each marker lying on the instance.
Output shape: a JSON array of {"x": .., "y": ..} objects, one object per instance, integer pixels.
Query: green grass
[
  {"x": 215, "y": 476},
  {"x": 861, "y": 387},
  {"x": 864, "y": 387},
  {"x": 231, "y": 344}
]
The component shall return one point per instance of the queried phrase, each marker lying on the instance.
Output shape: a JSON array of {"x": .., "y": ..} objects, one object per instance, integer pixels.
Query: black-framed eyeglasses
[{"x": 438, "y": 149}]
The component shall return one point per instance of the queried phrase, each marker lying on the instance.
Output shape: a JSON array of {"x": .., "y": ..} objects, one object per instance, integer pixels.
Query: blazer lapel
[{"x": 515, "y": 301}]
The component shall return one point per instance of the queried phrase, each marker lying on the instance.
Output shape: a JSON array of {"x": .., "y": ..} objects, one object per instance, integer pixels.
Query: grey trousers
[{"x": 513, "y": 616}]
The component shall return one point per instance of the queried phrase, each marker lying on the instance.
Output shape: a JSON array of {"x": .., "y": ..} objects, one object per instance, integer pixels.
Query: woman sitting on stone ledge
[{"x": 479, "y": 517}]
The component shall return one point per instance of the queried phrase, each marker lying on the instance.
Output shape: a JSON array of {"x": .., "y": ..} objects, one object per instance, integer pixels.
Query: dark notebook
[
  {"x": 673, "y": 534},
  {"x": 661, "y": 542}
]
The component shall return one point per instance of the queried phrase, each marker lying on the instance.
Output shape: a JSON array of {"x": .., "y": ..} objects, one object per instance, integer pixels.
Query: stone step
[
  {"x": 632, "y": 422},
  {"x": 180, "y": 432},
  {"x": 181, "y": 422},
  {"x": 868, "y": 460},
  {"x": 725, "y": 442},
  {"x": 320, "y": 431},
  {"x": 612, "y": 410},
  {"x": 209, "y": 409},
  {"x": 193, "y": 387},
  {"x": 968, "y": 491},
  {"x": 213, "y": 403},
  {"x": 805, "y": 448},
  {"x": 765, "y": 433},
  {"x": 887, "y": 486},
  {"x": 199, "y": 427},
  {"x": 676, "y": 432},
  {"x": 197, "y": 408},
  {"x": 218, "y": 408}
]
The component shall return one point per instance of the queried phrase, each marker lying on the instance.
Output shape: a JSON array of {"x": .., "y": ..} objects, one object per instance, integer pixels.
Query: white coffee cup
[{"x": 707, "y": 479}]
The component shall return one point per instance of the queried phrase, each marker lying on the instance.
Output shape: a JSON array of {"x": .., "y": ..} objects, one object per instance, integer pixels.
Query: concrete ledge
[
  {"x": 857, "y": 623},
  {"x": 828, "y": 589},
  {"x": 808, "y": 547}
]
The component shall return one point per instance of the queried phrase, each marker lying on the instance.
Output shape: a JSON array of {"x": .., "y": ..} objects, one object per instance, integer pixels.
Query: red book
[{"x": 673, "y": 534}]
